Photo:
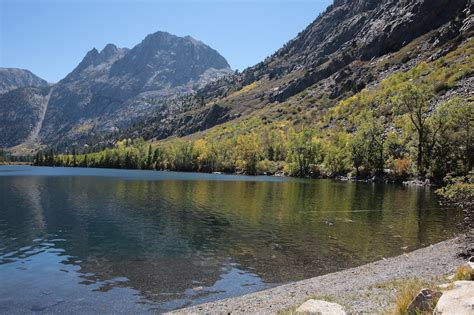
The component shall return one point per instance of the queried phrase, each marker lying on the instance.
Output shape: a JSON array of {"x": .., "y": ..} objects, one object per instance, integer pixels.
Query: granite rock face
[
  {"x": 362, "y": 30},
  {"x": 21, "y": 113}
]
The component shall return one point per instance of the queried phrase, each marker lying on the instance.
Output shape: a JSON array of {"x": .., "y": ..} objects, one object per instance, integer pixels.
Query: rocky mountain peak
[
  {"x": 109, "y": 50},
  {"x": 13, "y": 78},
  {"x": 159, "y": 37},
  {"x": 177, "y": 60},
  {"x": 95, "y": 59},
  {"x": 114, "y": 86},
  {"x": 90, "y": 58}
]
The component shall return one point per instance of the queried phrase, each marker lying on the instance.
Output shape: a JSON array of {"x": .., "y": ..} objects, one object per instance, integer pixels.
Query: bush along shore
[
  {"x": 460, "y": 192},
  {"x": 372, "y": 152}
]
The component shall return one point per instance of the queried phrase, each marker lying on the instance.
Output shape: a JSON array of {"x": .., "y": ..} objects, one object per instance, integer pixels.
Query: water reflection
[{"x": 152, "y": 241}]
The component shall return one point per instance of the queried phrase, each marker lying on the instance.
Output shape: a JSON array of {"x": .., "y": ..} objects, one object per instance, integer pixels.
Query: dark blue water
[{"x": 119, "y": 241}]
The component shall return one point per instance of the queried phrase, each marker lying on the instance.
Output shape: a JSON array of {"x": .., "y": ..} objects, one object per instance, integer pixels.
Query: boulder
[
  {"x": 425, "y": 301},
  {"x": 471, "y": 262},
  {"x": 458, "y": 301},
  {"x": 320, "y": 307}
]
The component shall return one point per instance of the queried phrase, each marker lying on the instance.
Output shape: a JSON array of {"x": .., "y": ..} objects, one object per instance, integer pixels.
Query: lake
[{"x": 128, "y": 241}]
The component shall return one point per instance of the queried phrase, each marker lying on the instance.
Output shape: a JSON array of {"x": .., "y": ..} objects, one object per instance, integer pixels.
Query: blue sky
[{"x": 50, "y": 37}]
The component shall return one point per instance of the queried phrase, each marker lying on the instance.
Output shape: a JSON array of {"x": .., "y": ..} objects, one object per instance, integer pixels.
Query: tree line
[{"x": 417, "y": 140}]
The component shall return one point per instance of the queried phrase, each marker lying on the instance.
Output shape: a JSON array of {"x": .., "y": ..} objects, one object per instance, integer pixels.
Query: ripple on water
[{"x": 138, "y": 241}]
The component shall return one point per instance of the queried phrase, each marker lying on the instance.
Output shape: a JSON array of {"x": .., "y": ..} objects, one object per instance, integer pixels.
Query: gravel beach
[{"x": 363, "y": 289}]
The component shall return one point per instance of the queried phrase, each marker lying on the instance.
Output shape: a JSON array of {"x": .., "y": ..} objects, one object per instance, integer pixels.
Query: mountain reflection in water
[{"x": 138, "y": 241}]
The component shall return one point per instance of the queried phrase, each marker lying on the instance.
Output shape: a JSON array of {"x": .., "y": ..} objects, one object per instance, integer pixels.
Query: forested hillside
[
  {"x": 413, "y": 123},
  {"x": 352, "y": 45},
  {"x": 369, "y": 88}
]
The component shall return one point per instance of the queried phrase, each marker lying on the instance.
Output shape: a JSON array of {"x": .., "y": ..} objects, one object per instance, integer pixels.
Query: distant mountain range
[
  {"x": 106, "y": 91},
  {"x": 169, "y": 85}
]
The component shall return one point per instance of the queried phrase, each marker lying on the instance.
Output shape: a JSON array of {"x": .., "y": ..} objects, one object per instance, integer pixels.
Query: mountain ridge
[
  {"x": 110, "y": 87},
  {"x": 14, "y": 78},
  {"x": 348, "y": 47}
]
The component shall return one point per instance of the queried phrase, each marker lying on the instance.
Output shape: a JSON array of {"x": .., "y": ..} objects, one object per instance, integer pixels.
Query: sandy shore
[{"x": 363, "y": 289}]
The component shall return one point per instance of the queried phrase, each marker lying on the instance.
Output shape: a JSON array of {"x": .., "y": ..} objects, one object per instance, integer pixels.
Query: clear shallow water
[{"x": 119, "y": 241}]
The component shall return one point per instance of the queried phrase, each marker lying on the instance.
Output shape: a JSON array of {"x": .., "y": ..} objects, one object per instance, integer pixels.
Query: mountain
[
  {"x": 351, "y": 46},
  {"x": 21, "y": 114},
  {"x": 372, "y": 90},
  {"x": 361, "y": 31},
  {"x": 13, "y": 78},
  {"x": 110, "y": 88}
]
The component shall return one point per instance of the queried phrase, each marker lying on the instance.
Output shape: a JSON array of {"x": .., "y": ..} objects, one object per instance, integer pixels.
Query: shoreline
[
  {"x": 385, "y": 179},
  {"x": 364, "y": 289},
  {"x": 15, "y": 164}
]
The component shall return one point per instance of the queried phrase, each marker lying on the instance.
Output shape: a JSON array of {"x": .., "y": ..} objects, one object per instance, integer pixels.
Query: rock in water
[
  {"x": 458, "y": 301},
  {"x": 425, "y": 301},
  {"x": 320, "y": 307}
]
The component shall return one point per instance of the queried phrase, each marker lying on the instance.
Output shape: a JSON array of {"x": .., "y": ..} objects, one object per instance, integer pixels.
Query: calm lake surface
[{"x": 104, "y": 241}]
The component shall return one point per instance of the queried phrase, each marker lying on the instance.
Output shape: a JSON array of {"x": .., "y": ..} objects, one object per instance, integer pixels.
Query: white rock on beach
[
  {"x": 320, "y": 307},
  {"x": 458, "y": 301},
  {"x": 471, "y": 262}
]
